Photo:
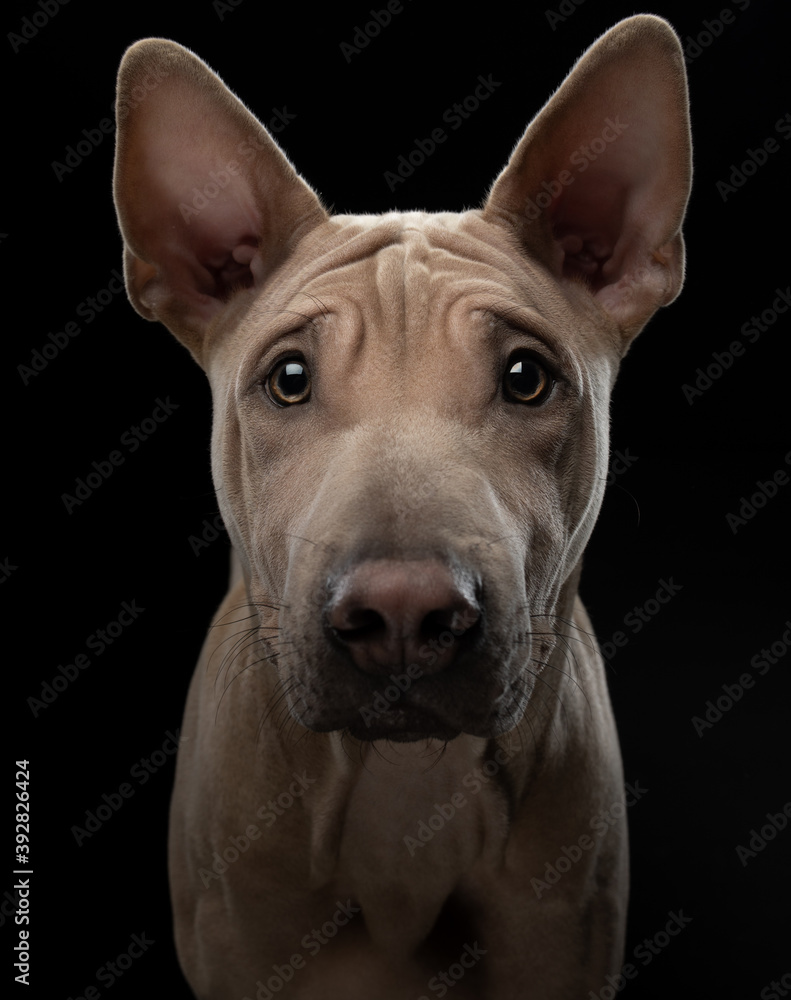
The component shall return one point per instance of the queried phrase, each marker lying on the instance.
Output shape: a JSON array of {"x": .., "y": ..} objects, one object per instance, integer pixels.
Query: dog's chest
[{"x": 417, "y": 834}]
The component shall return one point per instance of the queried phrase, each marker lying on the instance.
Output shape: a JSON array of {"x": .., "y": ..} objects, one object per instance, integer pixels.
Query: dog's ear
[
  {"x": 206, "y": 200},
  {"x": 598, "y": 185}
]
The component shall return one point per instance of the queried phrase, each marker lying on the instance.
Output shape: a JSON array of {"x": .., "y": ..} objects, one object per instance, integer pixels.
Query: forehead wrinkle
[
  {"x": 434, "y": 278},
  {"x": 399, "y": 309},
  {"x": 389, "y": 304},
  {"x": 416, "y": 281}
]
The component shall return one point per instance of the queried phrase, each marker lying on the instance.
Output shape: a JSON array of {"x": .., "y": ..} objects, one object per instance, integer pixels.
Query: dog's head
[{"x": 411, "y": 410}]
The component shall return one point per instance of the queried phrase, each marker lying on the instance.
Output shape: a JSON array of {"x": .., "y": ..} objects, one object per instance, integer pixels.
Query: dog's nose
[{"x": 392, "y": 614}]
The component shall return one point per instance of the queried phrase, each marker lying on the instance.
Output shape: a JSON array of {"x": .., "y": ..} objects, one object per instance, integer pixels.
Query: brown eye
[
  {"x": 525, "y": 381},
  {"x": 289, "y": 382}
]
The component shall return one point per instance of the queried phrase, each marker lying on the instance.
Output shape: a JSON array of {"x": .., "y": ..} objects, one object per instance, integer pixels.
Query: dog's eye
[
  {"x": 289, "y": 382},
  {"x": 525, "y": 381}
]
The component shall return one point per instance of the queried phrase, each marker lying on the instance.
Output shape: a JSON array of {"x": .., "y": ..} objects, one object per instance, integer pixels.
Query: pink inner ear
[
  {"x": 598, "y": 185},
  {"x": 607, "y": 227},
  {"x": 192, "y": 208},
  {"x": 206, "y": 200},
  {"x": 617, "y": 198},
  {"x": 586, "y": 222},
  {"x": 218, "y": 246}
]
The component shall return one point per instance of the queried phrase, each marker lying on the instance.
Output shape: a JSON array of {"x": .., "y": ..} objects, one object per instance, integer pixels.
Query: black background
[{"x": 664, "y": 517}]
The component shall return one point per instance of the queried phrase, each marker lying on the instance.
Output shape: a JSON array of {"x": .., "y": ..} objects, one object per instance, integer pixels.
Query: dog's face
[
  {"x": 426, "y": 397},
  {"x": 411, "y": 411}
]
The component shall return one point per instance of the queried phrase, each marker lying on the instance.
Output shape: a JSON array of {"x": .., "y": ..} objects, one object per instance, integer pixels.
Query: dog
[{"x": 398, "y": 738}]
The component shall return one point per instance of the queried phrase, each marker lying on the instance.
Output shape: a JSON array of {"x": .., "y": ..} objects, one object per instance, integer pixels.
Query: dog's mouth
[{"x": 401, "y": 709}]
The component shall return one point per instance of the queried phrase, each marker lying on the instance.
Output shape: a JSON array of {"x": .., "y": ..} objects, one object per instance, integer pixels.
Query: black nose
[{"x": 392, "y": 613}]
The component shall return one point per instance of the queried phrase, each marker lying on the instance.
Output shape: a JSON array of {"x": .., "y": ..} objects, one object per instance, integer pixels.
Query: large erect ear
[
  {"x": 598, "y": 185},
  {"x": 206, "y": 201}
]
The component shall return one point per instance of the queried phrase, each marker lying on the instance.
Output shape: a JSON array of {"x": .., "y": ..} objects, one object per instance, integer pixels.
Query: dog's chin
[
  {"x": 403, "y": 724},
  {"x": 404, "y": 727}
]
